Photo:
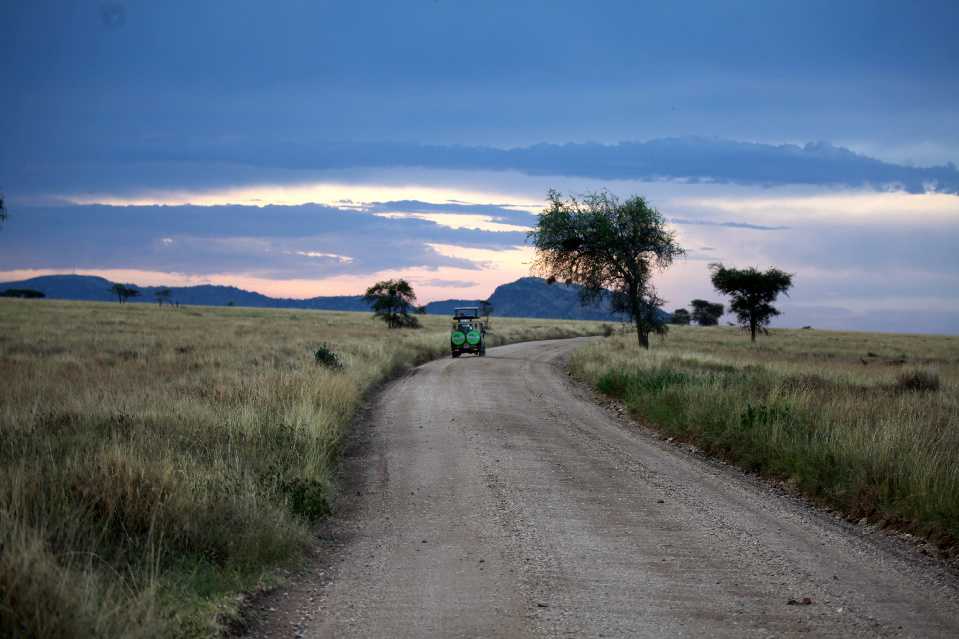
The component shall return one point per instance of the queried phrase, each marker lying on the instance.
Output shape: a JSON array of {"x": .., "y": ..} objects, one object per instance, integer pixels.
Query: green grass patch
[
  {"x": 872, "y": 440},
  {"x": 154, "y": 462}
]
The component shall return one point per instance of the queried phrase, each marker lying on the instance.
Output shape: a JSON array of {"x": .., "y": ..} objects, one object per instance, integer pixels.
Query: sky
[{"x": 312, "y": 148}]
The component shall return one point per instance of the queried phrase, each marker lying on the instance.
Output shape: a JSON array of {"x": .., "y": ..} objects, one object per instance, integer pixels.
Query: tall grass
[
  {"x": 154, "y": 462},
  {"x": 866, "y": 423}
]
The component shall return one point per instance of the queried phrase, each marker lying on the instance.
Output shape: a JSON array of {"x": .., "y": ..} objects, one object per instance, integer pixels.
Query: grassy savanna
[
  {"x": 866, "y": 423},
  {"x": 155, "y": 462}
]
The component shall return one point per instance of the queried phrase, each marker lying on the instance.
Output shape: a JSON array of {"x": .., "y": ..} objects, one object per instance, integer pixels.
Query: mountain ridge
[{"x": 530, "y": 297}]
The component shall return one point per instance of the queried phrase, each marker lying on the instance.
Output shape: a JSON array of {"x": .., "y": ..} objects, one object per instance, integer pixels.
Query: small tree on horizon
[
  {"x": 23, "y": 293},
  {"x": 486, "y": 309},
  {"x": 124, "y": 292},
  {"x": 163, "y": 295},
  {"x": 706, "y": 313},
  {"x": 392, "y": 301},
  {"x": 606, "y": 244},
  {"x": 752, "y": 292},
  {"x": 680, "y": 317}
]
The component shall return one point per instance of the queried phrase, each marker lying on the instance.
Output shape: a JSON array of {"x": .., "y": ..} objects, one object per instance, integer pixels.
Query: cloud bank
[
  {"x": 279, "y": 242},
  {"x": 211, "y": 163}
]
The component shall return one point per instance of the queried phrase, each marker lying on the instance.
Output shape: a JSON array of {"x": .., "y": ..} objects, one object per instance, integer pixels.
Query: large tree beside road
[{"x": 606, "y": 244}]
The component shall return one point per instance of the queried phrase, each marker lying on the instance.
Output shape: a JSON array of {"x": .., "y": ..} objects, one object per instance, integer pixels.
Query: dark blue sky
[
  {"x": 762, "y": 129},
  {"x": 96, "y": 82}
]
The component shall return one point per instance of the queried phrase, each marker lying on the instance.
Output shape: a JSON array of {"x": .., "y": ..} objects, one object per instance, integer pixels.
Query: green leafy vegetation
[
  {"x": 326, "y": 356},
  {"x": 156, "y": 463},
  {"x": 706, "y": 313},
  {"x": 392, "y": 301},
  {"x": 610, "y": 247},
  {"x": 752, "y": 292},
  {"x": 865, "y": 423}
]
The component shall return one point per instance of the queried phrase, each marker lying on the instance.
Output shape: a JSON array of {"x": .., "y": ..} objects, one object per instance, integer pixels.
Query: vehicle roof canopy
[{"x": 466, "y": 311}]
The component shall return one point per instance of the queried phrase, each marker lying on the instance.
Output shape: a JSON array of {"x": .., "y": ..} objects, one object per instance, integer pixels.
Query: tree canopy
[
  {"x": 392, "y": 301},
  {"x": 752, "y": 292},
  {"x": 607, "y": 245},
  {"x": 706, "y": 313},
  {"x": 163, "y": 295},
  {"x": 680, "y": 317},
  {"x": 23, "y": 293},
  {"x": 124, "y": 292},
  {"x": 486, "y": 309}
]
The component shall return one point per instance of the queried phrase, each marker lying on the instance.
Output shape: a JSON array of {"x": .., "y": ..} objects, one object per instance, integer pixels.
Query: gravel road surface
[{"x": 492, "y": 497}]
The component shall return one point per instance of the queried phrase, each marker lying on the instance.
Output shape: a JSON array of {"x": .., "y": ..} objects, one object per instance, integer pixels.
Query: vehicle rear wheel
[{"x": 454, "y": 354}]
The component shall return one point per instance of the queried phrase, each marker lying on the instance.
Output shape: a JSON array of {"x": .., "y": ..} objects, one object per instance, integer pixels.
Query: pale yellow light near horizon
[
  {"x": 460, "y": 221},
  {"x": 877, "y": 207},
  {"x": 779, "y": 206},
  {"x": 332, "y": 193},
  {"x": 860, "y": 206}
]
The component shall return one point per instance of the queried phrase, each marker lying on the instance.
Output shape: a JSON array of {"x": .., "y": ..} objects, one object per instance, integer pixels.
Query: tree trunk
[
  {"x": 642, "y": 335},
  {"x": 752, "y": 330}
]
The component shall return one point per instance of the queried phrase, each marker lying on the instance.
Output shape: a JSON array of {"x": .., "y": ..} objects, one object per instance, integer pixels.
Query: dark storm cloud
[
  {"x": 199, "y": 95},
  {"x": 273, "y": 241},
  {"x": 684, "y": 159}
]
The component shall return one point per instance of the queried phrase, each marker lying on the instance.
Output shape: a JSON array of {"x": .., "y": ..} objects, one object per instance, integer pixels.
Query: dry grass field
[
  {"x": 866, "y": 423},
  {"x": 155, "y": 462}
]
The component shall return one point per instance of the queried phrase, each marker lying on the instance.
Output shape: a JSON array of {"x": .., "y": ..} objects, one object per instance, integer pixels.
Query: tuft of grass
[
  {"x": 154, "y": 463},
  {"x": 326, "y": 356},
  {"x": 918, "y": 380},
  {"x": 873, "y": 441}
]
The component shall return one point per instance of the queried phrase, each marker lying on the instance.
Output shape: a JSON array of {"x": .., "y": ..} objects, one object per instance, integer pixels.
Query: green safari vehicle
[{"x": 468, "y": 334}]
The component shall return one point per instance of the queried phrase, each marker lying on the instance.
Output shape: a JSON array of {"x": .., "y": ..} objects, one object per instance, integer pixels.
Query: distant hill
[
  {"x": 526, "y": 297},
  {"x": 534, "y": 297},
  {"x": 97, "y": 289}
]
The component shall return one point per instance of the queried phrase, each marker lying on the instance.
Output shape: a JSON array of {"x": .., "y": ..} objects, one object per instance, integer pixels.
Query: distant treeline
[{"x": 25, "y": 293}]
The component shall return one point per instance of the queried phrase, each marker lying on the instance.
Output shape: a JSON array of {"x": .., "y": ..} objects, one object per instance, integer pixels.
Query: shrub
[
  {"x": 327, "y": 357},
  {"x": 306, "y": 497},
  {"x": 918, "y": 380},
  {"x": 407, "y": 321},
  {"x": 613, "y": 383}
]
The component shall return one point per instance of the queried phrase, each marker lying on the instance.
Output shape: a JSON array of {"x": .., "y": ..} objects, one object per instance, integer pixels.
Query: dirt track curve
[{"x": 493, "y": 498}]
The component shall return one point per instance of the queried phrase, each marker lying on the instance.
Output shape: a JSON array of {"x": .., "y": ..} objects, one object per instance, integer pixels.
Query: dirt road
[{"x": 493, "y": 498}]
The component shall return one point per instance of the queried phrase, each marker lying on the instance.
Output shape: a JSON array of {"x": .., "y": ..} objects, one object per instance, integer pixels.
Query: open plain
[{"x": 155, "y": 462}]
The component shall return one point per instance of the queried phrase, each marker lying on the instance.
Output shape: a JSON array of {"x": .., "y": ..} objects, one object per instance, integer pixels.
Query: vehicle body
[{"x": 468, "y": 333}]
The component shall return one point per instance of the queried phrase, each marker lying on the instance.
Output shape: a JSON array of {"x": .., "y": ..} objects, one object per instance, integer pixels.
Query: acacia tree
[
  {"x": 680, "y": 317},
  {"x": 606, "y": 244},
  {"x": 752, "y": 292},
  {"x": 392, "y": 301},
  {"x": 486, "y": 309},
  {"x": 706, "y": 313},
  {"x": 163, "y": 295},
  {"x": 124, "y": 292}
]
